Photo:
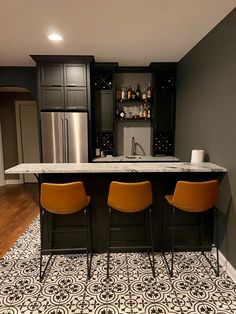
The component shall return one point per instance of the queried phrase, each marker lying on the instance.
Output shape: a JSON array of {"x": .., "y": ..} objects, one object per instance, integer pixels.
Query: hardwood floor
[{"x": 18, "y": 207}]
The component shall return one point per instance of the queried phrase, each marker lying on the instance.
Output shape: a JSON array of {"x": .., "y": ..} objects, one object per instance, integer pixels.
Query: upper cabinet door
[
  {"x": 51, "y": 74},
  {"x": 75, "y": 75},
  {"x": 52, "y": 98},
  {"x": 76, "y": 98}
]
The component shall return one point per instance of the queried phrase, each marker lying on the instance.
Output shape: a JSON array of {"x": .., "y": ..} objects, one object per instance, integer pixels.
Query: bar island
[{"x": 97, "y": 177}]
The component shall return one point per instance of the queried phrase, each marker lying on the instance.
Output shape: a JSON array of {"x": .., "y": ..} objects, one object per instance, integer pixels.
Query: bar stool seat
[
  {"x": 131, "y": 198},
  {"x": 193, "y": 197},
  {"x": 64, "y": 199}
]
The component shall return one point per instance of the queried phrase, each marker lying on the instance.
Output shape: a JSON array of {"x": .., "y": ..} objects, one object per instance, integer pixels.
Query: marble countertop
[
  {"x": 136, "y": 158},
  {"x": 152, "y": 167}
]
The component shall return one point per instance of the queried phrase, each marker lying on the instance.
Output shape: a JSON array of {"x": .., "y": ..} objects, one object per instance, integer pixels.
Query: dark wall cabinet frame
[
  {"x": 164, "y": 84},
  {"x": 104, "y": 106}
]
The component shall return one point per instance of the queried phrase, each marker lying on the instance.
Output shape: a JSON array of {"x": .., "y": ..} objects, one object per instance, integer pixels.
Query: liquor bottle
[
  {"x": 97, "y": 150},
  {"x": 117, "y": 112},
  {"x": 123, "y": 93},
  {"x": 149, "y": 112},
  {"x": 129, "y": 93},
  {"x": 122, "y": 114},
  {"x": 144, "y": 94},
  {"x": 141, "y": 112},
  {"x": 133, "y": 94},
  {"x": 145, "y": 111},
  {"x": 149, "y": 91},
  {"x": 138, "y": 93}
]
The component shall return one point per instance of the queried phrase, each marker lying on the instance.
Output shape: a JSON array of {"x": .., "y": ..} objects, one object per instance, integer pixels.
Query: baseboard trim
[
  {"x": 225, "y": 264},
  {"x": 13, "y": 181}
]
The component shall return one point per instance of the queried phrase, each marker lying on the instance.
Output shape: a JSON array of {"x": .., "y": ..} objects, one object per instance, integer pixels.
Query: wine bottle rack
[
  {"x": 103, "y": 80},
  {"x": 104, "y": 141},
  {"x": 163, "y": 143}
]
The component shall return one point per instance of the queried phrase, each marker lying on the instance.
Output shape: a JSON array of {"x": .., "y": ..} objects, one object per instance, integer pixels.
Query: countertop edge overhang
[{"x": 140, "y": 167}]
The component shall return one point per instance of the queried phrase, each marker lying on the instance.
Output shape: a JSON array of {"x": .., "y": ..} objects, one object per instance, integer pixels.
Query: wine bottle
[
  {"x": 133, "y": 95},
  {"x": 137, "y": 93}
]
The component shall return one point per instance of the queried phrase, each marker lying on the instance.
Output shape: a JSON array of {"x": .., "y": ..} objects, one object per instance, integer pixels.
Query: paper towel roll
[{"x": 197, "y": 155}]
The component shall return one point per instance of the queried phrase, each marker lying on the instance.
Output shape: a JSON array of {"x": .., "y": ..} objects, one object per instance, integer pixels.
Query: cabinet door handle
[
  {"x": 67, "y": 157},
  {"x": 62, "y": 140}
]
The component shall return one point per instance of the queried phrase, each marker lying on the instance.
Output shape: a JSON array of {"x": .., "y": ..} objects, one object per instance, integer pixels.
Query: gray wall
[
  {"x": 8, "y": 125},
  {"x": 206, "y": 115}
]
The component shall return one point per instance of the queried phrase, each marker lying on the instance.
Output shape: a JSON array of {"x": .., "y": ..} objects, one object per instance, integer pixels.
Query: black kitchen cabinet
[
  {"x": 64, "y": 82},
  {"x": 163, "y": 82},
  {"x": 104, "y": 106},
  {"x": 68, "y": 86}
]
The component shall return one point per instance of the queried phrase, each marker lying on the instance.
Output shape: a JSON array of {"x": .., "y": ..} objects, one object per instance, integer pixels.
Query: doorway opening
[{"x": 19, "y": 140}]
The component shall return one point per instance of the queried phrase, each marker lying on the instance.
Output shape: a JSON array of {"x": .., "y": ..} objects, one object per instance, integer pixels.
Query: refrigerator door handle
[
  {"x": 62, "y": 135},
  {"x": 66, "y": 141}
]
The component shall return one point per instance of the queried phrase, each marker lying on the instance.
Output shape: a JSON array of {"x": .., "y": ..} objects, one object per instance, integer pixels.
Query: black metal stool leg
[
  {"x": 86, "y": 240},
  {"x": 90, "y": 238},
  {"x": 201, "y": 231},
  {"x": 41, "y": 242},
  {"x": 172, "y": 241},
  {"x": 108, "y": 242},
  {"x": 146, "y": 230},
  {"x": 41, "y": 271},
  {"x": 217, "y": 242},
  {"x": 151, "y": 235}
]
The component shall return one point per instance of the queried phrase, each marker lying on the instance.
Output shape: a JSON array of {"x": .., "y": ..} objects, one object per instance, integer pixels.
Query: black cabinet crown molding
[{"x": 63, "y": 58}]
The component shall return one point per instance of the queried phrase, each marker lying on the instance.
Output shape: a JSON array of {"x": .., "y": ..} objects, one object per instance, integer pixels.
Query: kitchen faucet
[{"x": 133, "y": 147}]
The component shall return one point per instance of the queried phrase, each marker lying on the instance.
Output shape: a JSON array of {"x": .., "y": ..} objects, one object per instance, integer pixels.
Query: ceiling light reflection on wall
[{"x": 55, "y": 37}]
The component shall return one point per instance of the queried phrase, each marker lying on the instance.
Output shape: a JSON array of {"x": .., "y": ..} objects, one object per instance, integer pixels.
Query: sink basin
[{"x": 133, "y": 157}]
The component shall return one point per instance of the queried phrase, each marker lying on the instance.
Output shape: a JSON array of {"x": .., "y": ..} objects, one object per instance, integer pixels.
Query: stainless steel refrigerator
[{"x": 64, "y": 137}]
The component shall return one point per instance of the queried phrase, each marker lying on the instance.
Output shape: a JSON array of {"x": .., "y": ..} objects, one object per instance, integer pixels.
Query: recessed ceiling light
[{"x": 55, "y": 37}]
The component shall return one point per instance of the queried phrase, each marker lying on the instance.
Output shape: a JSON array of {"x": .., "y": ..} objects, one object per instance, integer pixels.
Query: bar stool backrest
[
  {"x": 195, "y": 196},
  {"x": 130, "y": 197},
  {"x": 63, "y": 198}
]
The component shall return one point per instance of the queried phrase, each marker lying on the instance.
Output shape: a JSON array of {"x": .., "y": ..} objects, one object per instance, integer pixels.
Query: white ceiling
[{"x": 131, "y": 32}]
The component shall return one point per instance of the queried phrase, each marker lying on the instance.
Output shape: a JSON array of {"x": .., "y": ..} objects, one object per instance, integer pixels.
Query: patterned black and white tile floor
[{"x": 131, "y": 288}]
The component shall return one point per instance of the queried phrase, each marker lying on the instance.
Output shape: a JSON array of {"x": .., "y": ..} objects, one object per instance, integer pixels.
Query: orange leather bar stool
[
  {"x": 194, "y": 197},
  {"x": 131, "y": 198},
  {"x": 65, "y": 199}
]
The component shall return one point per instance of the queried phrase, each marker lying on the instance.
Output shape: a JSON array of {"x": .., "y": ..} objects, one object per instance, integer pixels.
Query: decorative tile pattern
[{"x": 131, "y": 289}]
